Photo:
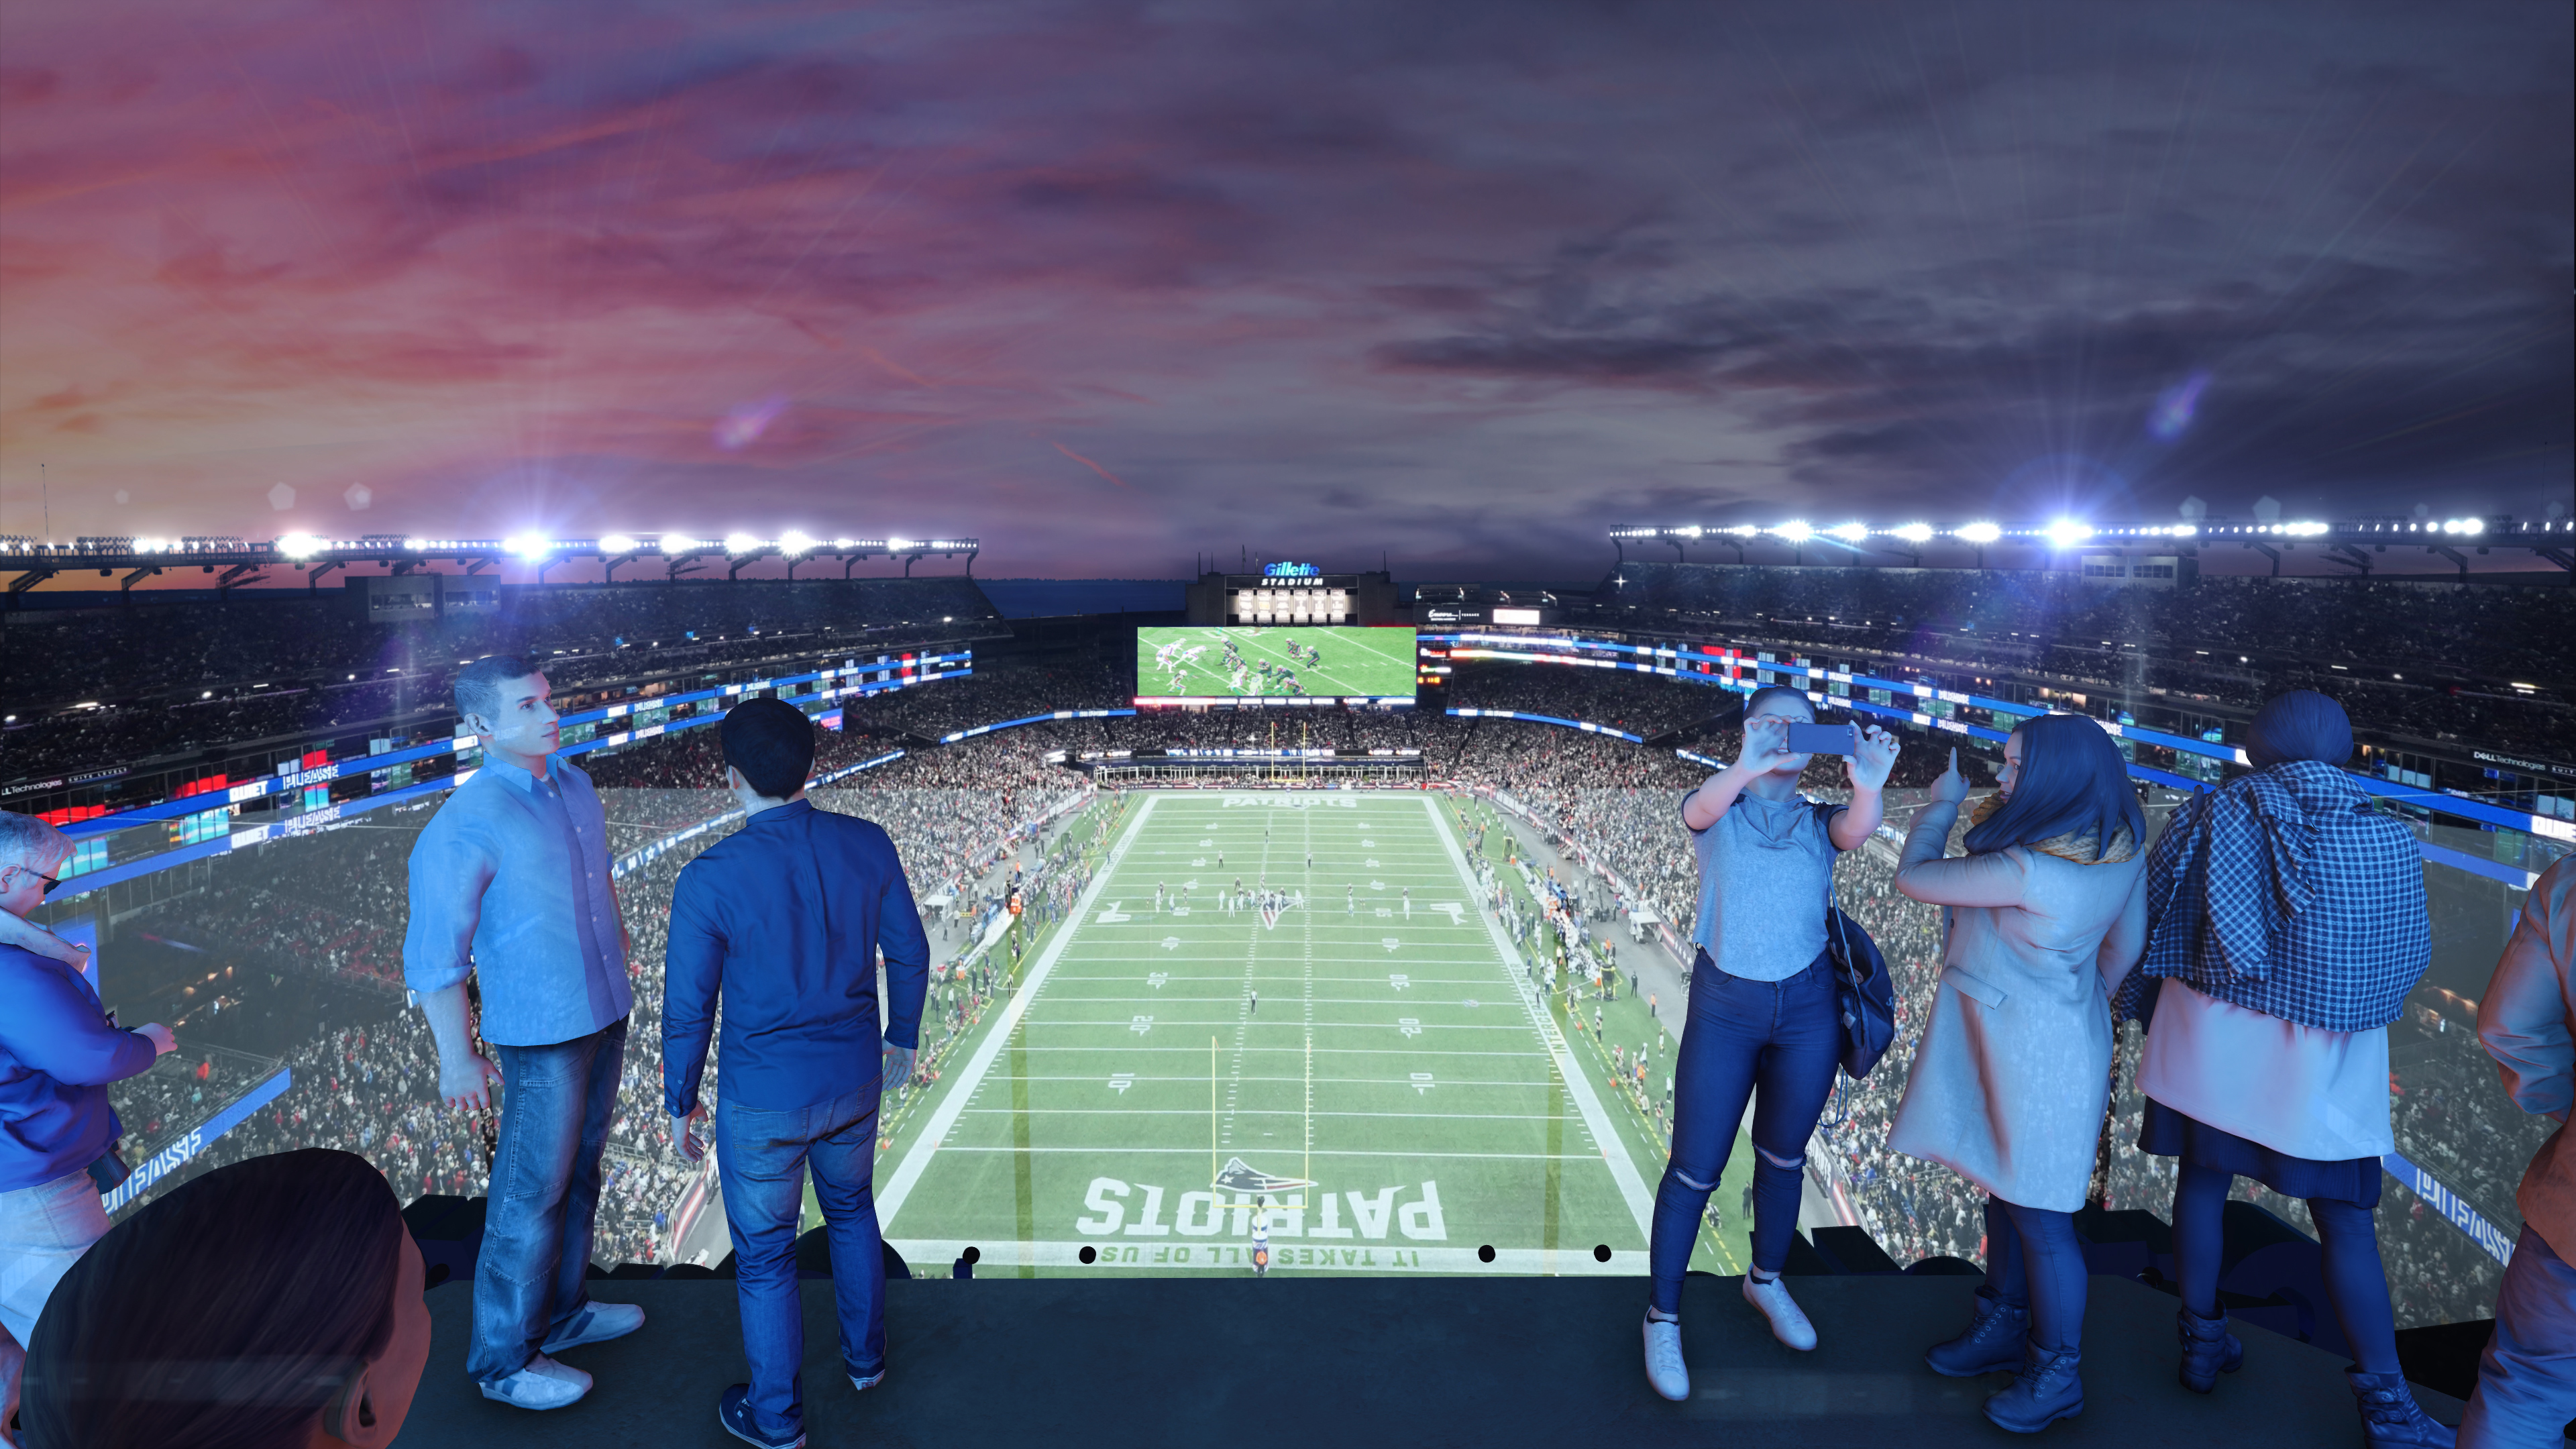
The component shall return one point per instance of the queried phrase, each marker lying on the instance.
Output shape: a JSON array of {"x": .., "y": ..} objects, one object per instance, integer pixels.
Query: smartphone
[{"x": 1820, "y": 739}]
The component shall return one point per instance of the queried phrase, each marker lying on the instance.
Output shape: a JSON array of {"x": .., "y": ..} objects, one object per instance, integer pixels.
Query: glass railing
[{"x": 1391, "y": 1029}]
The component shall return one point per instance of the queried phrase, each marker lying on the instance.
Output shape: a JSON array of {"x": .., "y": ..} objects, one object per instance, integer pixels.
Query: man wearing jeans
[
  {"x": 785, "y": 920},
  {"x": 58, "y": 1052},
  {"x": 509, "y": 883}
]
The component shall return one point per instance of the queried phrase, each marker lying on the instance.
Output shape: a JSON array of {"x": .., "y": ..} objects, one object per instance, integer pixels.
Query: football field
[
  {"x": 1375, "y": 663},
  {"x": 1356, "y": 1049}
]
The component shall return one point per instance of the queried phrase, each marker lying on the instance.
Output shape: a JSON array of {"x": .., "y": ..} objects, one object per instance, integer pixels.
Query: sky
[{"x": 1110, "y": 286}]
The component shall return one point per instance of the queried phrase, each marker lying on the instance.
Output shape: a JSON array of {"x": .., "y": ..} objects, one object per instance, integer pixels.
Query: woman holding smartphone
[
  {"x": 2043, "y": 917},
  {"x": 1762, "y": 1012}
]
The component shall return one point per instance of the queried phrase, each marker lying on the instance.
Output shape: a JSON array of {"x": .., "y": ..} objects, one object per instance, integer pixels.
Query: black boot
[
  {"x": 1992, "y": 1344},
  {"x": 2048, "y": 1390},
  {"x": 2390, "y": 1417},
  {"x": 2208, "y": 1349}
]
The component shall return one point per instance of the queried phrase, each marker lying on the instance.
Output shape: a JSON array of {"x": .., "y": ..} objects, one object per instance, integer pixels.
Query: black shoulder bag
[{"x": 1862, "y": 991}]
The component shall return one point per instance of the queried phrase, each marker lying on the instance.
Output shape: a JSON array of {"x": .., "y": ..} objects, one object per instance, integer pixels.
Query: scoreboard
[{"x": 1291, "y": 594}]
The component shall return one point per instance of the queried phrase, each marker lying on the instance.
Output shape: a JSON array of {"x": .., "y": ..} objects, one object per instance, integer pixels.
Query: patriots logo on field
[{"x": 1241, "y": 1176}]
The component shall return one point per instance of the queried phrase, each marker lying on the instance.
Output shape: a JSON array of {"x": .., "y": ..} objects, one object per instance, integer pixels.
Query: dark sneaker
[{"x": 734, "y": 1412}]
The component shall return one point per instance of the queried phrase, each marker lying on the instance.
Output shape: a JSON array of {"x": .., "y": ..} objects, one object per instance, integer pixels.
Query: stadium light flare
[
  {"x": 526, "y": 546},
  {"x": 1850, "y": 532},
  {"x": 1915, "y": 533},
  {"x": 794, "y": 542},
  {"x": 619, "y": 543},
  {"x": 677, "y": 543},
  {"x": 1981, "y": 532},
  {"x": 2066, "y": 532},
  {"x": 299, "y": 545},
  {"x": 1795, "y": 530},
  {"x": 740, "y": 543}
]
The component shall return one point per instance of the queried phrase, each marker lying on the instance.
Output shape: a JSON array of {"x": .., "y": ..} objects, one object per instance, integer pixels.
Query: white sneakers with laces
[
  {"x": 543, "y": 1384},
  {"x": 1664, "y": 1367},
  {"x": 1788, "y": 1322}
]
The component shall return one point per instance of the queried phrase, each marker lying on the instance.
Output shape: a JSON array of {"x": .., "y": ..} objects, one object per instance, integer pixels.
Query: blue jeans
[
  {"x": 556, "y": 1104},
  {"x": 1787, "y": 1036},
  {"x": 762, "y": 1158},
  {"x": 2034, "y": 1262},
  {"x": 2527, "y": 1376}
]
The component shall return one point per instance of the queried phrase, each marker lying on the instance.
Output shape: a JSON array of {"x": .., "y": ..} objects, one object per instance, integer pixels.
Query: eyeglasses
[{"x": 51, "y": 883}]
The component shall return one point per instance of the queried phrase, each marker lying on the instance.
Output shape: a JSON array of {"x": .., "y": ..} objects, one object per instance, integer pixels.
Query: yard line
[
  {"x": 1632, "y": 1187},
  {"x": 1319, "y": 1152},
  {"x": 916, "y": 1160},
  {"x": 1267, "y": 1111}
]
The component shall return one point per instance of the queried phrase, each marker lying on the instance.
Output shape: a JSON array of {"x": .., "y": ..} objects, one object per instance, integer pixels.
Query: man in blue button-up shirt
[
  {"x": 510, "y": 884},
  {"x": 785, "y": 920}
]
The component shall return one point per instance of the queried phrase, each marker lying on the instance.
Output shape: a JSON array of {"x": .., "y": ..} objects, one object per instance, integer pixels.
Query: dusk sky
[{"x": 1110, "y": 284}]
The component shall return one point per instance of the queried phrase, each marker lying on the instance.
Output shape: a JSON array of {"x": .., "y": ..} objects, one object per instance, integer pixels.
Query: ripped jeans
[{"x": 1784, "y": 1037}]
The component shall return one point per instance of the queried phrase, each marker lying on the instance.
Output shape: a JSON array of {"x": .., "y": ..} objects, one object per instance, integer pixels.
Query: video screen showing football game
[{"x": 1283, "y": 662}]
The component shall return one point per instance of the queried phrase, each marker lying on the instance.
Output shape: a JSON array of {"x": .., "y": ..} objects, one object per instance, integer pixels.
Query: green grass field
[
  {"x": 1376, "y": 662},
  {"x": 1394, "y": 1061}
]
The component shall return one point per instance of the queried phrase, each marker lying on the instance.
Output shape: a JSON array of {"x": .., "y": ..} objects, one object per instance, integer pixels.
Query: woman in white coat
[{"x": 2044, "y": 917}]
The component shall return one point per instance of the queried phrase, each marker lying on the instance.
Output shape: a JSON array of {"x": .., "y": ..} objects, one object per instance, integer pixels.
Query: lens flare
[
  {"x": 743, "y": 426},
  {"x": 2171, "y": 417}
]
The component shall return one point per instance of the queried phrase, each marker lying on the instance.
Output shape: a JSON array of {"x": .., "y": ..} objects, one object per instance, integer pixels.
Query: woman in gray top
[
  {"x": 2042, "y": 919},
  {"x": 1761, "y": 1010}
]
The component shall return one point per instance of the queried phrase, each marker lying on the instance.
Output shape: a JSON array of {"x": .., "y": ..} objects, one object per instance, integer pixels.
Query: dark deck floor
[{"x": 1367, "y": 1361}]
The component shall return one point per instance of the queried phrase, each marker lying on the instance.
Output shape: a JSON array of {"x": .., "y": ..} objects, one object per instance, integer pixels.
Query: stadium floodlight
[
  {"x": 1851, "y": 532},
  {"x": 618, "y": 543},
  {"x": 1693, "y": 531},
  {"x": 2066, "y": 532},
  {"x": 1981, "y": 532},
  {"x": 845, "y": 544},
  {"x": 1915, "y": 533},
  {"x": 1795, "y": 530},
  {"x": 794, "y": 542},
  {"x": 299, "y": 545},
  {"x": 2305, "y": 530},
  {"x": 740, "y": 543},
  {"x": 415, "y": 545},
  {"x": 677, "y": 543},
  {"x": 1744, "y": 530},
  {"x": 525, "y": 545},
  {"x": 2186, "y": 530}
]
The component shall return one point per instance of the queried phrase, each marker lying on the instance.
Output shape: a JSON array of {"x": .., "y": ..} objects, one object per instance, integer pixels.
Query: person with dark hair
[
  {"x": 273, "y": 1302},
  {"x": 2527, "y": 1021},
  {"x": 510, "y": 884},
  {"x": 1762, "y": 1009},
  {"x": 2286, "y": 923},
  {"x": 2043, "y": 919},
  {"x": 783, "y": 921},
  {"x": 58, "y": 1051}
]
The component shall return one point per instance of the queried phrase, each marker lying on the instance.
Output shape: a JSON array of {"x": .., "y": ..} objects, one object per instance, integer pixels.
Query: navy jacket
[
  {"x": 57, "y": 1055},
  {"x": 784, "y": 919}
]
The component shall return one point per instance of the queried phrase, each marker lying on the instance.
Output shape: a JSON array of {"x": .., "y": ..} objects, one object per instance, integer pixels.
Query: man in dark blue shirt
[{"x": 785, "y": 920}]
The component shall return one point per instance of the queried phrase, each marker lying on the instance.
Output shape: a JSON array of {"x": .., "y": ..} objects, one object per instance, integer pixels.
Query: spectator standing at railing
[
  {"x": 784, "y": 921},
  {"x": 2044, "y": 919},
  {"x": 58, "y": 1051},
  {"x": 510, "y": 884},
  {"x": 2286, "y": 923},
  {"x": 2527, "y": 1021},
  {"x": 1763, "y": 1026}
]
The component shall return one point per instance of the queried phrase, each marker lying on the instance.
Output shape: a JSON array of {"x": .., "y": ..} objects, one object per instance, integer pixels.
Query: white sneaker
[
  {"x": 595, "y": 1323},
  {"x": 870, "y": 1382},
  {"x": 1788, "y": 1323},
  {"x": 1664, "y": 1367},
  {"x": 543, "y": 1384}
]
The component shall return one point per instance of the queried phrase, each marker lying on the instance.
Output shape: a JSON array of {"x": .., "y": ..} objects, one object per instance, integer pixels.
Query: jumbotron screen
[{"x": 1286, "y": 664}]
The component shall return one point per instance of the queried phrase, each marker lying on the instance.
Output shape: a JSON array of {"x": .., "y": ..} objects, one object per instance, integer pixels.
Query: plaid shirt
[{"x": 2283, "y": 893}]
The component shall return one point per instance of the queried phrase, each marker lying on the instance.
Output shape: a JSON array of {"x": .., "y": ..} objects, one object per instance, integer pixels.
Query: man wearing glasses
[{"x": 59, "y": 1048}]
